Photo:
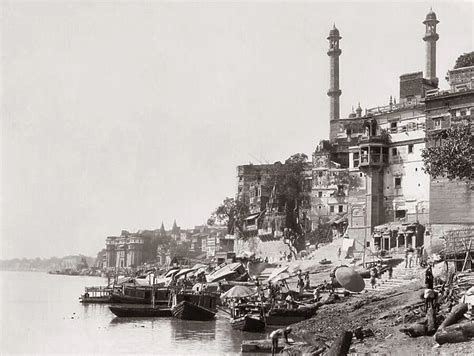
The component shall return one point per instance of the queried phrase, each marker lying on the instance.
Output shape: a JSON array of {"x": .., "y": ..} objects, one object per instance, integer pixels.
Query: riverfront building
[{"x": 367, "y": 180}]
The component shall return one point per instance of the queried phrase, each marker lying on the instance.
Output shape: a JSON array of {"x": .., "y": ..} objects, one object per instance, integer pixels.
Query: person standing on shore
[
  {"x": 390, "y": 272},
  {"x": 300, "y": 283},
  {"x": 429, "y": 279},
  {"x": 306, "y": 281},
  {"x": 339, "y": 253},
  {"x": 373, "y": 280},
  {"x": 275, "y": 335}
]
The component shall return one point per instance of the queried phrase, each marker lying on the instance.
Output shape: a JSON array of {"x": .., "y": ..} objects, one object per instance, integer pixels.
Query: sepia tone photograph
[{"x": 237, "y": 177}]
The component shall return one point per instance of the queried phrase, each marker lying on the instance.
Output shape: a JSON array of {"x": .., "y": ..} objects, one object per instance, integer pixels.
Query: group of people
[
  {"x": 303, "y": 282},
  {"x": 376, "y": 272},
  {"x": 413, "y": 256}
]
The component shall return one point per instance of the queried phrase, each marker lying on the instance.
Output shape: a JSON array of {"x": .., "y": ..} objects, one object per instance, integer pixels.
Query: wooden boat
[
  {"x": 249, "y": 322},
  {"x": 130, "y": 311},
  {"x": 247, "y": 317},
  {"x": 285, "y": 316},
  {"x": 190, "y": 306},
  {"x": 325, "y": 262},
  {"x": 96, "y": 295},
  {"x": 140, "y": 295}
]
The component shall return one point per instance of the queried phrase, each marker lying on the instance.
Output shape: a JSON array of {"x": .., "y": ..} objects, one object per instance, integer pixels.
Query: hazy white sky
[{"x": 123, "y": 115}]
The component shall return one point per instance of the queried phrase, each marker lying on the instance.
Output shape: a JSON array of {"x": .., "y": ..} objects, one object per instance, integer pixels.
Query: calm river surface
[{"x": 41, "y": 313}]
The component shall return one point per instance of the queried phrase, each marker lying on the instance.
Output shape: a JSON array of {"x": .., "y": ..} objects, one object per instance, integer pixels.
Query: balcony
[
  {"x": 364, "y": 140},
  {"x": 373, "y": 159}
]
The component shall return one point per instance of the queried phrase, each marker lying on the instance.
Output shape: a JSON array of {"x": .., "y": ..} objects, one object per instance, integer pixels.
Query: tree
[
  {"x": 465, "y": 60},
  {"x": 231, "y": 213},
  {"x": 289, "y": 180},
  {"x": 453, "y": 157}
]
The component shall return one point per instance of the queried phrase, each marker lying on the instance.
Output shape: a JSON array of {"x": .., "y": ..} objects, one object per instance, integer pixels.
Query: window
[
  {"x": 341, "y": 208},
  {"x": 437, "y": 123},
  {"x": 355, "y": 159},
  {"x": 319, "y": 207},
  {"x": 320, "y": 173},
  {"x": 398, "y": 182},
  {"x": 393, "y": 127},
  {"x": 348, "y": 132},
  {"x": 400, "y": 214},
  {"x": 394, "y": 151},
  {"x": 331, "y": 209},
  {"x": 410, "y": 148},
  {"x": 320, "y": 194}
]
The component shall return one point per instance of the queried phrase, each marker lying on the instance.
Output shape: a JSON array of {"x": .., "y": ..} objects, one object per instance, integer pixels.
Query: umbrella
[
  {"x": 349, "y": 279},
  {"x": 239, "y": 292}
]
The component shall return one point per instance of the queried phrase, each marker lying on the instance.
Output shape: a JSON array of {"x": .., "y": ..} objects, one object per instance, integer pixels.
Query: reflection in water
[
  {"x": 53, "y": 321},
  {"x": 193, "y": 330}
]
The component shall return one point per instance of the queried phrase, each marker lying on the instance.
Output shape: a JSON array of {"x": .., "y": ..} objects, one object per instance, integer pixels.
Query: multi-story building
[
  {"x": 451, "y": 202},
  {"x": 368, "y": 179}
]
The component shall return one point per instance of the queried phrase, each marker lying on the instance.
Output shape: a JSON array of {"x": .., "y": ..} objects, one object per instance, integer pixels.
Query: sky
[{"x": 123, "y": 115}]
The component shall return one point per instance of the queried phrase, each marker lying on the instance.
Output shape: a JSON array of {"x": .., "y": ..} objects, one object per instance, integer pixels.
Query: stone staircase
[{"x": 400, "y": 277}]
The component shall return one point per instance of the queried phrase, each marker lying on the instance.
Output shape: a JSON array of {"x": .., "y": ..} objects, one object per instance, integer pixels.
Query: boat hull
[
  {"x": 93, "y": 300},
  {"x": 190, "y": 311},
  {"x": 140, "y": 311},
  {"x": 126, "y": 299},
  {"x": 252, "y": 323},
  {"x": 284, "y": 317}
]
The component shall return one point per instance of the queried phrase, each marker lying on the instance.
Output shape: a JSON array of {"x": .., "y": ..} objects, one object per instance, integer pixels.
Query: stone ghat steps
[{"x": 385, "y": 284}]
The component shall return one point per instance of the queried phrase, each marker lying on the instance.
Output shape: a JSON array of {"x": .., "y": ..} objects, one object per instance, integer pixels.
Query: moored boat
[
  {"x": 285, "y": 316},
  {"x": 96, "y": 295},
  {"x": 249, "y": 322},
  {"x": 191, "y": 306},
  {"x": 140, "y": 295},
  {"x": 129, "y": 311}
]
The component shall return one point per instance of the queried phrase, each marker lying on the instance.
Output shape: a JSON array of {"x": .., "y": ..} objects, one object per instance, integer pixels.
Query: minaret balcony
[
  {"x": 431, "y": 37},
  {"x": 334, "y": 52},
  {"x": 336, "y": 92}
]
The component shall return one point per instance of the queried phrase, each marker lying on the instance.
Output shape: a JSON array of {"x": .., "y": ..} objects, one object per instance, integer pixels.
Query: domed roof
[
  {"x": 431, "y": 16},
  {"x": 334, "y": 31}
]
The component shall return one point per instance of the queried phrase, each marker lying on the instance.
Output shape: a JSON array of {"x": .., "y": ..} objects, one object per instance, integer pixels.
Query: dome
[
  {"x": 431, "y": 16},
  {"x": 334, "y": 32}
]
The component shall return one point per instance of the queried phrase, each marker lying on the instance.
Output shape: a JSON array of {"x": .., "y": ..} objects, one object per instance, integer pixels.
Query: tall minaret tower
[
  {"x": 334, "y": 92},
  {"x": 430, "y": 38}
]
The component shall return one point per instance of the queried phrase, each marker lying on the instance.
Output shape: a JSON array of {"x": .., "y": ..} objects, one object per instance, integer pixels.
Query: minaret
[
  {"x": 430, "y": 38},
  {"x": 334, "y": 92}
]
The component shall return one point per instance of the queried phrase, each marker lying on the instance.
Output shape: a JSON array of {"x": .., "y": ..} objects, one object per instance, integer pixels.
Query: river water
[{"x": 41, "y": 313}]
